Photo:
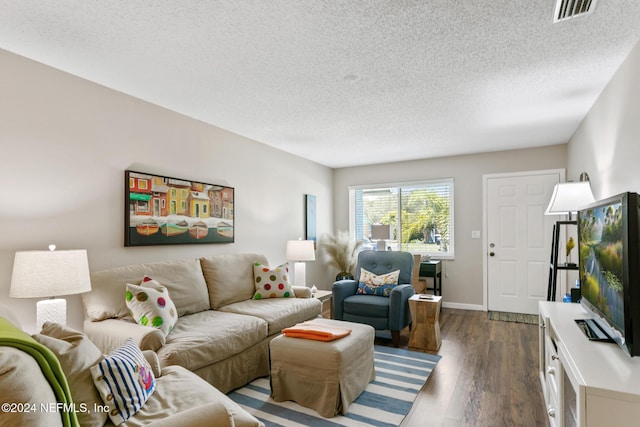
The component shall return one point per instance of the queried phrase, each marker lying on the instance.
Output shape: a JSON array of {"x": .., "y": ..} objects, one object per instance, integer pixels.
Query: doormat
[{"x": 531, "y": 319}]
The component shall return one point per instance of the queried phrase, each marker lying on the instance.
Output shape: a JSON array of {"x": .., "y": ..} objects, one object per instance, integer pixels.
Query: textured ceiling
[{"x": 343, "y": 82}]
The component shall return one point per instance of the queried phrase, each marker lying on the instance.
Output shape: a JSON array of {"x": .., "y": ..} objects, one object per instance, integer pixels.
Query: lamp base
[
  {"x": 299, "y": 272},
  {"x": 51, "y": 310},
  {"x": 381, "y": 245}
]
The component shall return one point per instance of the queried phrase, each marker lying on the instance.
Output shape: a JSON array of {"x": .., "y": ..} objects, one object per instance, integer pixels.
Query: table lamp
[
  {"x": 38, "y": 274},
  {"x": 300, "y": 251},
  {"x": 381, "y": 232}
]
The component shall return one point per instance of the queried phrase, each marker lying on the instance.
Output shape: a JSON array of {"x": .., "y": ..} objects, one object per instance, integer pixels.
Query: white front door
[{"x": 518, "y": 239}]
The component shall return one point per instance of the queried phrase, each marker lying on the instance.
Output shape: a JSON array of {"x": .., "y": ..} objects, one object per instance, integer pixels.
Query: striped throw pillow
[{"x": 124, "y": 380}]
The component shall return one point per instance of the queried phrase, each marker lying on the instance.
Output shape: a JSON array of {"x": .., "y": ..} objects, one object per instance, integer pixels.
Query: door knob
[{"x": 492, "y": 253}]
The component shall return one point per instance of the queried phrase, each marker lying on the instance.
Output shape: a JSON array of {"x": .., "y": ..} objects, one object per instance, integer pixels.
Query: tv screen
[{"x": 609, "y": 262}]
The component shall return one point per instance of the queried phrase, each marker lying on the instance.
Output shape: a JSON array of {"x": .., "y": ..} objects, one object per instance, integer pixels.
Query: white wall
[
  {"x": 463, "y": 284},
  {"x": 606, "y": 144},
  {"x": 65, "y": 143}
]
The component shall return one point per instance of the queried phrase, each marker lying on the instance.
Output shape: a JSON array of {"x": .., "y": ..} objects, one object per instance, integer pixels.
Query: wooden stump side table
[{"x": 425, "y": 318}]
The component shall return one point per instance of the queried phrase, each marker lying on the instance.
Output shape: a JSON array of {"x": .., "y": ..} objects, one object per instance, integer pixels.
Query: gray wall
[
  {"x": 66, "y": 143},
  {"x": 606, "y": 144},
  {"x": 463, "y": 284}
]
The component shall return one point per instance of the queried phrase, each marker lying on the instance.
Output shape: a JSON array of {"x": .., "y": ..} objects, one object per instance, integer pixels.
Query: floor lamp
[
  {"x": 39, "y": 274},
  {"x": 567, "y": 198}
]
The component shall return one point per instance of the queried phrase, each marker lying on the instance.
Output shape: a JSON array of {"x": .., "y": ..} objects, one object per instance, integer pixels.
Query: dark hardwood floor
[{"x": 488, "y": 375}]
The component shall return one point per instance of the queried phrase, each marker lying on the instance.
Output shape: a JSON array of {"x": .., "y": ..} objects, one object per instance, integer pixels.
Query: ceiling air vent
[{"x": 567, "y": 9}]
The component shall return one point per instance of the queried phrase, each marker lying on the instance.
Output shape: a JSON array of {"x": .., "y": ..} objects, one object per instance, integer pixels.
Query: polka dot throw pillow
[
  {"x": 150, "y": 305},
  {"x": 272, "y": 283}
]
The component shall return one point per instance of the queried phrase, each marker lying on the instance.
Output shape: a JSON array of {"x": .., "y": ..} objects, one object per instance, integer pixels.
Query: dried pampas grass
[{"x": 341, "y": 250}]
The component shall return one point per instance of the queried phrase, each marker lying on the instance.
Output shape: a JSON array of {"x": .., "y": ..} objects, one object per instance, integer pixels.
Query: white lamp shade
[
  {"x": 569, "y": 197},
  {"x": 300, "y": 250},
  {"x": 38, "y": 274},
  {"x": 380, "y": 231}
]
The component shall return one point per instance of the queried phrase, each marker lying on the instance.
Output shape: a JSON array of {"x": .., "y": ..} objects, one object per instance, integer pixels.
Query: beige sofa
[
  {"x": 28, "y": 397},
  {"x": 222, "y": 334}
]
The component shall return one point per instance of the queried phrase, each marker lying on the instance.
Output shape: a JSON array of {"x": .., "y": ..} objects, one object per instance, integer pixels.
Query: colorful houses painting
[{"x": 163, "y": 210}]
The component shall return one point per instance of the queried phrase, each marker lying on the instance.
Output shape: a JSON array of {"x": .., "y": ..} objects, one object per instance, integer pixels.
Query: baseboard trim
[{"x": 460, "y": 306}]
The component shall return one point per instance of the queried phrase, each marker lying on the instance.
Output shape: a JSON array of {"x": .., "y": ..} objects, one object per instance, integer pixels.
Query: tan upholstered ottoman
[{"x": 324, "y": 376}]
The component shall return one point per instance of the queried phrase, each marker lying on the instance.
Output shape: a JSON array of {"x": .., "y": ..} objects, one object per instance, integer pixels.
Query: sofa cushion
[
  {"x": 20, "y": 373},
  {"x": 204, "y": 338},
  {"x": 125, "y": 381},
  {"x": 179, "y": 390},
  {"x": 182, "y": 278},
  {"x": 77, "y": 354},
  {"x": 230, "y": 277},
  {"x": 9, "y": 315},
  {"x": 151, "y": 305},
  {"x": 279, "y": 313},
  {"x": 272, "y": 282}
]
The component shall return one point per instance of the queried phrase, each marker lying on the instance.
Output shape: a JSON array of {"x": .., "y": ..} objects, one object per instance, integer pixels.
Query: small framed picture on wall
[{"x": 310, "y": 216}]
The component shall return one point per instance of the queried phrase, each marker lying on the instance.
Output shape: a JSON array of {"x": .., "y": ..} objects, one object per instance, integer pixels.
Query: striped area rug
[
  {"x": 531, "y": 319},
  {"x": 400, "y": 374}
]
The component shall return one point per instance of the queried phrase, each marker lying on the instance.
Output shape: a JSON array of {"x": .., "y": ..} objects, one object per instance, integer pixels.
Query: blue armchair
[{"x": 383, "y": 313}]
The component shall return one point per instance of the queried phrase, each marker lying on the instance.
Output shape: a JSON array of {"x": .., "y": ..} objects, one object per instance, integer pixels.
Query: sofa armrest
[
  {"x": 302, "y": 292},
  {"x": 154, "y": 362},
  {"x": 210, "y": 414},
  {"x": 341, "y": 290},
  {"x": 399, "y": 313},
  {"x": 110, "y": 334}
]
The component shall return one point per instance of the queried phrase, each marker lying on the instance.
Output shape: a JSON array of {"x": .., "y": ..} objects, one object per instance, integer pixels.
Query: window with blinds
[{"x": 420, "y": 215}]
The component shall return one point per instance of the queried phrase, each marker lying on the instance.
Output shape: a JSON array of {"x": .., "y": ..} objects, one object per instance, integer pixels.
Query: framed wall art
[
  {"x": 161, "y": 210},
  {"x": 310, "y": 216}
]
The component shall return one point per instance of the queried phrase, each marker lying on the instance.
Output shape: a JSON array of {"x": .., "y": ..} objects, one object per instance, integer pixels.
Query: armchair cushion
[{"x": 367, "y": 305}]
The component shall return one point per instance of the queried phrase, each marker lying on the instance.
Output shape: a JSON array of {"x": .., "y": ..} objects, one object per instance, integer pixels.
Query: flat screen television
[{"x": 609, "y": 266}]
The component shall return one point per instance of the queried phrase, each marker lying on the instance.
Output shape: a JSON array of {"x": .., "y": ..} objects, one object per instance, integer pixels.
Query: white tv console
[{"x": 585, "y": 383}]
